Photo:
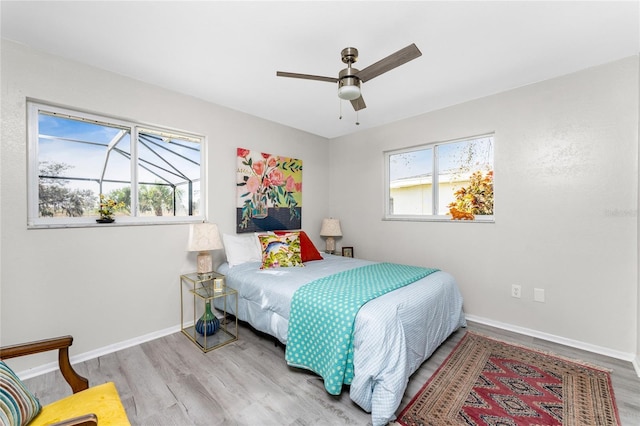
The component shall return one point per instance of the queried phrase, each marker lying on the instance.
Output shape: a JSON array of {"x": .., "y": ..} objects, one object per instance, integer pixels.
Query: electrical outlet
[
  {"x": 538, "y": 295},
  {"x": 516, "y": 290}
]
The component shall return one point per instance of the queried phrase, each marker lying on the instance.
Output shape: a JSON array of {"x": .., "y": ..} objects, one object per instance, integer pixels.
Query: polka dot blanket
[{"x": 323, "y": 312}]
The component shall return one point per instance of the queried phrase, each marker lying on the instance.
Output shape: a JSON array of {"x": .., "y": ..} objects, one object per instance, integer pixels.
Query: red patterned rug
[{"x": 488, "y": 382}]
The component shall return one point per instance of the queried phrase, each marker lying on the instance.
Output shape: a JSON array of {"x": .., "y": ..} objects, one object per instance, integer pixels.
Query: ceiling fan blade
[
  {"x": 392, "y": 61},
  {"x": 358, "y": 103},
  {"x": 307, "y": 76}
]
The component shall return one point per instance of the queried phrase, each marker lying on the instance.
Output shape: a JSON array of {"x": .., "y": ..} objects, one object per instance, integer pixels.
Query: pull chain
[{"x": 357, "y": 114}]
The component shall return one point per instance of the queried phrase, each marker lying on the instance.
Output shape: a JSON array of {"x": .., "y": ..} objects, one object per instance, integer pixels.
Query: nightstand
[{"x": 197, "y": 294}]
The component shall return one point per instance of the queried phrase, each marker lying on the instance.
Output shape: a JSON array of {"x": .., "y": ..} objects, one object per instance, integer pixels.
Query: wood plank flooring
[{"x": 169, "y": 381}]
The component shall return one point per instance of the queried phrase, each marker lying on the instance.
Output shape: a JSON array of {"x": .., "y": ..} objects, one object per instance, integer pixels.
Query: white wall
[
  {"x": 566, "y": 207},
  {"x": 109, "y": 285},
  {"x": 566, "y": 185}
]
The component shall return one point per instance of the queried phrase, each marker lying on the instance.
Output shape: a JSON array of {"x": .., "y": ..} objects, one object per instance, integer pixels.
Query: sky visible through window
[
  {"x": 476, "y": 154},
  {"x": 83, "y": 147}
]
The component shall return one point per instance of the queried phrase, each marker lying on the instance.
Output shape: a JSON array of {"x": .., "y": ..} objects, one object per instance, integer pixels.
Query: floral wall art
[{"x": 269, "y": 192}]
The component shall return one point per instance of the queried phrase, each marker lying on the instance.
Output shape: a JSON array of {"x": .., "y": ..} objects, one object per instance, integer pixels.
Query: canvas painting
[{"x": 269, "y": 191}]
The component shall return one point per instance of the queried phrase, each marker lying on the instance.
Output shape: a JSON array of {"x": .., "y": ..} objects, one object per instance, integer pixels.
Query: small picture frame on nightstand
[
  {"x": 347, "y": 251},
  {"x": 218, "y": 285}
]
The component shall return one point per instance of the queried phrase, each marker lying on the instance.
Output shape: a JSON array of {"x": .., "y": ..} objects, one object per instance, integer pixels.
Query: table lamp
[
  {"x": 330, "y": 228},
  {"x": 204, "y": 237}
]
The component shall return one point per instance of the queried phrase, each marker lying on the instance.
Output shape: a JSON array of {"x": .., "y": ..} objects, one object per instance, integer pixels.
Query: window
[
  {"x": 74, "y": 157},
  {"x": 441, "y": 181}
]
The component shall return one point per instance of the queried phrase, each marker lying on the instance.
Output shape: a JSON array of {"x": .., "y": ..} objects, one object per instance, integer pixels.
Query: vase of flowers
[{"x": 108, "y": 208}]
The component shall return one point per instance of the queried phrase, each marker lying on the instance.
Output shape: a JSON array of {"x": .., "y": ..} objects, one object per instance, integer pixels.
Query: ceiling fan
[{"x": 349, "y": 79}]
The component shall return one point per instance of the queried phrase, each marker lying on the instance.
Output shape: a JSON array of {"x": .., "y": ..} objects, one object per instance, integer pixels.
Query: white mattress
[{"x": 393, "y": 334}]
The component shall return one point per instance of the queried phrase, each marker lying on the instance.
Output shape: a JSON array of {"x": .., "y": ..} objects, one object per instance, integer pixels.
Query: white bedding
[{"x": 393, "y": 334}]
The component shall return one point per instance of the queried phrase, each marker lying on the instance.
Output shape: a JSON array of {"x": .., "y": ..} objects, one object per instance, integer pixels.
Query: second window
[{"x": 441, "y": 181}]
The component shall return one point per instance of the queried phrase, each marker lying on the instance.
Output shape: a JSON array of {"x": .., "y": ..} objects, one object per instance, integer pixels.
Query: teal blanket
[{"x": 323, "y": 312}]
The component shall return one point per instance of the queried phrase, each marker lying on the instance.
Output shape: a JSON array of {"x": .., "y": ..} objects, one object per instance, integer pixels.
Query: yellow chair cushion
[{"x": 102, "y": 400}]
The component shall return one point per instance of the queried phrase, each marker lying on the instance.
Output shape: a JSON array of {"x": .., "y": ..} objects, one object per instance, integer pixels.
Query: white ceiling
[{"x": 228, "y": 52}]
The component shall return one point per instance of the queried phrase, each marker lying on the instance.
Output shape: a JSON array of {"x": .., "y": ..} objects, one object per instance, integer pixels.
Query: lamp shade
[
  {"x": 204, "y": 237},
  {"x": 330, "y": 228}
]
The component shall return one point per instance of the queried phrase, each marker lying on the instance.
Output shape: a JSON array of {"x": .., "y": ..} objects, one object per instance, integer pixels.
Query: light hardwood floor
[{"x": 169, "y": 381}]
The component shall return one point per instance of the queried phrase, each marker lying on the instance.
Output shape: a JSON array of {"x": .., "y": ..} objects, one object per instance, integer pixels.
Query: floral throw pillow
[
  {"x": 279, "y": 251},
  {"x": 308, "y": 251}
]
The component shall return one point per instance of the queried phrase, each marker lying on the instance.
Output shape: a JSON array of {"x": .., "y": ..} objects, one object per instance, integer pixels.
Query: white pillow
[{"x": 242, "y": 248}]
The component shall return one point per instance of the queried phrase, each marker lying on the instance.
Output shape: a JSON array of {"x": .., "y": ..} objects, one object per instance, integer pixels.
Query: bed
[{"x": 393, "y": 334}]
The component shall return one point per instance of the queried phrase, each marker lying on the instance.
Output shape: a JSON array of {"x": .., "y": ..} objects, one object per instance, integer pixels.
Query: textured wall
[
  {"x": 566, "y": 207},
  {"x": 566, "y": 184},
  {"x": 110, "y": 285}
]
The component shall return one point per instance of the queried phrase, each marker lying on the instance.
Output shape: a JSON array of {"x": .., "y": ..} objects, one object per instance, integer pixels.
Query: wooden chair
[{"x": 87, "y": 406}]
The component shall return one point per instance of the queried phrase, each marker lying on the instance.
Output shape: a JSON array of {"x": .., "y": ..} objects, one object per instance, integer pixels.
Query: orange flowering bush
[{"x": 474, "y": 199}]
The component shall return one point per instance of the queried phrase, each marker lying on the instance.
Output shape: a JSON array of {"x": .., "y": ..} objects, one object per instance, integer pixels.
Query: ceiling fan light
[{"x": 348, "y": 93}]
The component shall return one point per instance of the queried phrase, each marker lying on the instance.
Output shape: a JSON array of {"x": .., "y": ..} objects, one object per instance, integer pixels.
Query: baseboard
[
  {"x": 53, "y": 366},
  {"x": 561, "y": 340}
]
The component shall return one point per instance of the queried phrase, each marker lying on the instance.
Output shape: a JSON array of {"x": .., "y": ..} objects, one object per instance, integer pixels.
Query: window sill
[
  {"x": 446, "y": 219},
  {"x": 91, "y": 222}
]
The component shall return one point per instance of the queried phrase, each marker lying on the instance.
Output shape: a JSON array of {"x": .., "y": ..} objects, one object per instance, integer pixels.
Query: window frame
[
  {"x": 34, "y": 221},
  {"x": 434, "y": 217}
]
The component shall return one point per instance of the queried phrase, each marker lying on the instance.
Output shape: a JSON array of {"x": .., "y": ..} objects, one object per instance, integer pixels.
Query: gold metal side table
[{"x": 205, "y": 290}]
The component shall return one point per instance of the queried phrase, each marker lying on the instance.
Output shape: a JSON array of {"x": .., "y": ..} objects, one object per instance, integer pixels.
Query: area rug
[{"x": 488, "y": 382}]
